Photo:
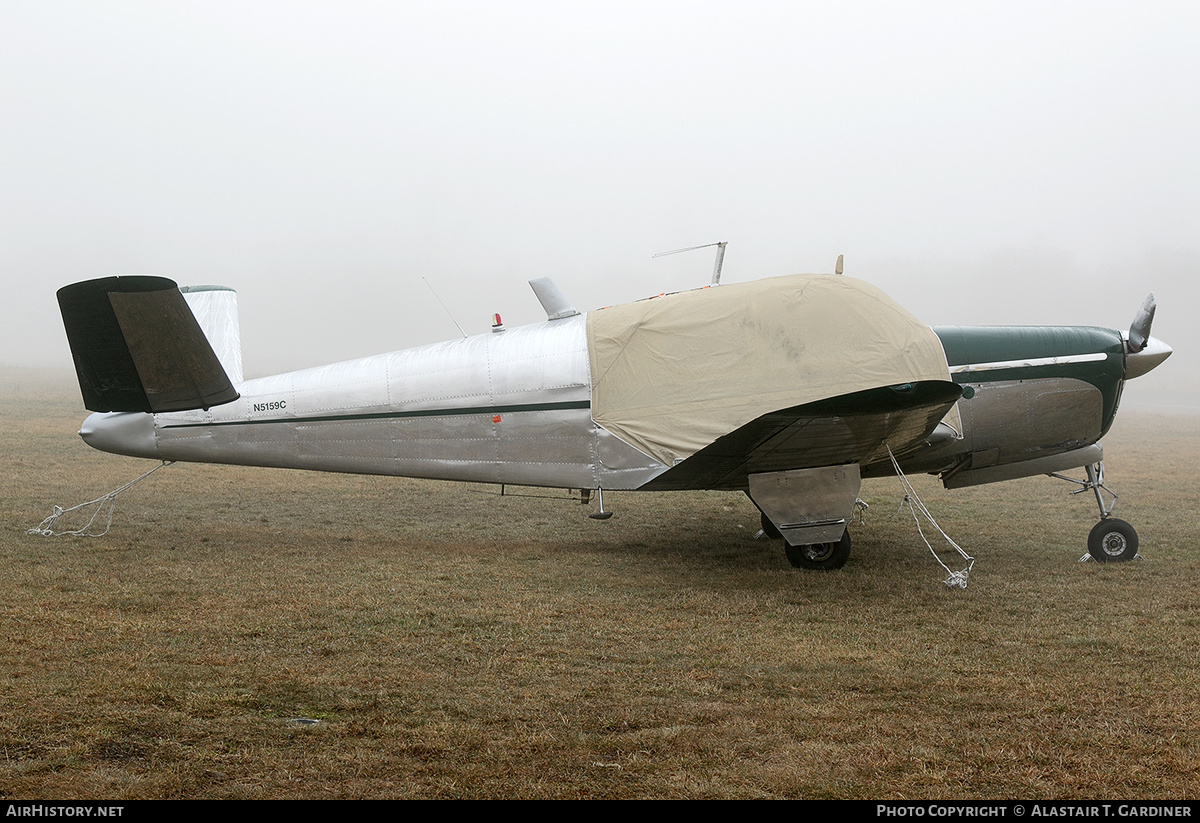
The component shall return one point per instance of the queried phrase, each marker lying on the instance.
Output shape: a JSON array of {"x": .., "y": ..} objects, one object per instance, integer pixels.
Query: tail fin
[{"x": 137, "y": 347}]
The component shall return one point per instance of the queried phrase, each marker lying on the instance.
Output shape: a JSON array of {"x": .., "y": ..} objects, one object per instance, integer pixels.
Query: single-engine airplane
[{"x": 790, "y": 389}]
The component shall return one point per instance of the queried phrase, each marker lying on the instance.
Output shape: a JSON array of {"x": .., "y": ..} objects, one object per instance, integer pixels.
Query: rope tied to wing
[
  {"x": 104, "y": 505},
  {"x": 956, "y": 579}
]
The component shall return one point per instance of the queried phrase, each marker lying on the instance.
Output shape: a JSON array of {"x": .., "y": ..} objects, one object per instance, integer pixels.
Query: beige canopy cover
[{"x": 673, "y": 373}]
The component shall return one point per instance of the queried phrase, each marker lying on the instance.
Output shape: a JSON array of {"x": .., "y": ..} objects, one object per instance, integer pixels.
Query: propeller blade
[{"x": 1139, "y": 331}]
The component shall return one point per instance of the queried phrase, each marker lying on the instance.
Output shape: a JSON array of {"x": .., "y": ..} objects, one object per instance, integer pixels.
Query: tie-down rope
[
  {"x": 956, "y": 578},
  {"x": 104, "y": 505}
]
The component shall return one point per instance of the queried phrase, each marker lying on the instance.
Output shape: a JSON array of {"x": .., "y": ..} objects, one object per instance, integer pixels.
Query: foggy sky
[{"x": 1003, "y": 163}]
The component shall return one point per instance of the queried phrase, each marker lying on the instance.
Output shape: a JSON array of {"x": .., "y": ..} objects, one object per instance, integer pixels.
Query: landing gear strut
[{"x": 1111, "y": 540}]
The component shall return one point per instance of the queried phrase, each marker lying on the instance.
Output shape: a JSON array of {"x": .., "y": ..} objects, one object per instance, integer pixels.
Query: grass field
[{"x": 455, "y": 643}]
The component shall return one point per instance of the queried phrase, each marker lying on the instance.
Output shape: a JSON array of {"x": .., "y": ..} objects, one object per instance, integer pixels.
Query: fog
[{"x": 1006, "y": 163}]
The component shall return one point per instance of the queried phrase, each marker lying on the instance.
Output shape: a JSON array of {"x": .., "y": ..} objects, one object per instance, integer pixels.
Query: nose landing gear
[{"x": 1111, "y": 540}]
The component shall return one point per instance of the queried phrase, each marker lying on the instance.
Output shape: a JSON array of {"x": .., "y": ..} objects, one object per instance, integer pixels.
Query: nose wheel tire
[{"x": 1112, "y": 541}]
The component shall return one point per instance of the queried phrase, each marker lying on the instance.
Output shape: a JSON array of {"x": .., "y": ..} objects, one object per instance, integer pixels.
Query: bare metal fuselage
[{"x": 510, "y": 407}]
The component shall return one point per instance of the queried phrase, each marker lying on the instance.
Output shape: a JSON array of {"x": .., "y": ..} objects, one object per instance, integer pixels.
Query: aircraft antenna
[
  {"x": 716, "y": 277},
  {"x": 452, "y": 320}
]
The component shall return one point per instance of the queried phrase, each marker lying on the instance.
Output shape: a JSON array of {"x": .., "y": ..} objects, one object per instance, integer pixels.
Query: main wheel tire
[
  {"x": 820, "y": 555},
  {"x": 769, "y": 529},
  {"x": 1112, "y": 541}
]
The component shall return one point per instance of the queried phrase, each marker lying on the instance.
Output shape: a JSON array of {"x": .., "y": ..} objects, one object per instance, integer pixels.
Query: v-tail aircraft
[{"x": 790, "y": 389}]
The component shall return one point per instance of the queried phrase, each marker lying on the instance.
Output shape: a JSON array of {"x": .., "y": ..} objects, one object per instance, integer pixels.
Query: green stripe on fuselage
[{"x": 391, "y": 415}]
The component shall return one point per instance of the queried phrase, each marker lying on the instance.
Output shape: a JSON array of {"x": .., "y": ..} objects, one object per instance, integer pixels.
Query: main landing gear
[
  {"x": 808, "y": 509},
  {"x": 1111, "y": 540},
  {"x": 821, "y": 556}
]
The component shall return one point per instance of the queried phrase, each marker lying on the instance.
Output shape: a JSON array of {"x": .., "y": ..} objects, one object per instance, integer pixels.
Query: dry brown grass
[{"x": 454, "y": 643}]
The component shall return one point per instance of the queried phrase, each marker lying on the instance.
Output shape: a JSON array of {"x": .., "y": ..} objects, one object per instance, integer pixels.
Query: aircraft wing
[
  {"x": 849, "y": 428},
  {"x": 679, "y": 374}
]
